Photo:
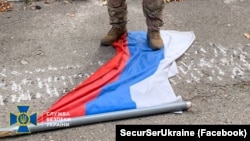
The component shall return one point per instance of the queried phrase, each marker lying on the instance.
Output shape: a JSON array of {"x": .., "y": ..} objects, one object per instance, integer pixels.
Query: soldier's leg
[
  {"x": 117, "y": 10},
  {"x": 153, "y": 11}
]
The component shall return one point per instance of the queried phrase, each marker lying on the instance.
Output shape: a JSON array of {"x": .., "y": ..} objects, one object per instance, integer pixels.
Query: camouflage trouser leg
[
  {"x": 152, "y": 10},
  {"x": 117, "y": 10}
]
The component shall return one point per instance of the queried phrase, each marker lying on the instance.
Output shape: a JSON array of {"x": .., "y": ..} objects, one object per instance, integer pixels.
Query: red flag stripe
[{"x": 74, "y": 101}]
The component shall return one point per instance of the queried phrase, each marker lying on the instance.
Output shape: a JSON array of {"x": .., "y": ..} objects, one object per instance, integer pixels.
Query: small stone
[
  {"x": 212, "y": 44},
  {"x": 39, "y": 53},
  {"x": 80, "y": 75},
  {"x": 24, "y": 62},
  {"x": 75, "y": 76},
  {"x": 47, "y": 2},
  {"x": 247, "y": 35},
  {"x": 66, "y": 2},
  {"x": 37, "y": 7}
]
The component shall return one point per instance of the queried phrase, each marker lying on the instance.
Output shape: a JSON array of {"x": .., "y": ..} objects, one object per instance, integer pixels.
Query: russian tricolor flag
[{"x": 136, "y": 77}]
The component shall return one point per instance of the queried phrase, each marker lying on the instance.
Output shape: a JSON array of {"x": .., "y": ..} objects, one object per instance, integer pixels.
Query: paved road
[{"x": 45, "y": 53}]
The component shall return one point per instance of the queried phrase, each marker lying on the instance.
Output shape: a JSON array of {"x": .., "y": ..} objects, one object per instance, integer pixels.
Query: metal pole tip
[{"x": 189, "y": 104}]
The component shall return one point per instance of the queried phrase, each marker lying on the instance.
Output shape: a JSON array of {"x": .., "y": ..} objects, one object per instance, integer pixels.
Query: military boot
[
  {"x": 152, "y": 10},
  {"x": 113, "y": 35},
  {"x": 117, "y": 10},
  {"x": 155, "y": 40}
]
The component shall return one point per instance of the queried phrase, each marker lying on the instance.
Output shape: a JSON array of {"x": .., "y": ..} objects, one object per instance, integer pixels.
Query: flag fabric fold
[{"x": 136, "y": 77}]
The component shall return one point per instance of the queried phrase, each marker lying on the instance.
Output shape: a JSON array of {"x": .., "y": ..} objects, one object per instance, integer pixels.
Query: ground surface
[{"x": 44, "y": 53}]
